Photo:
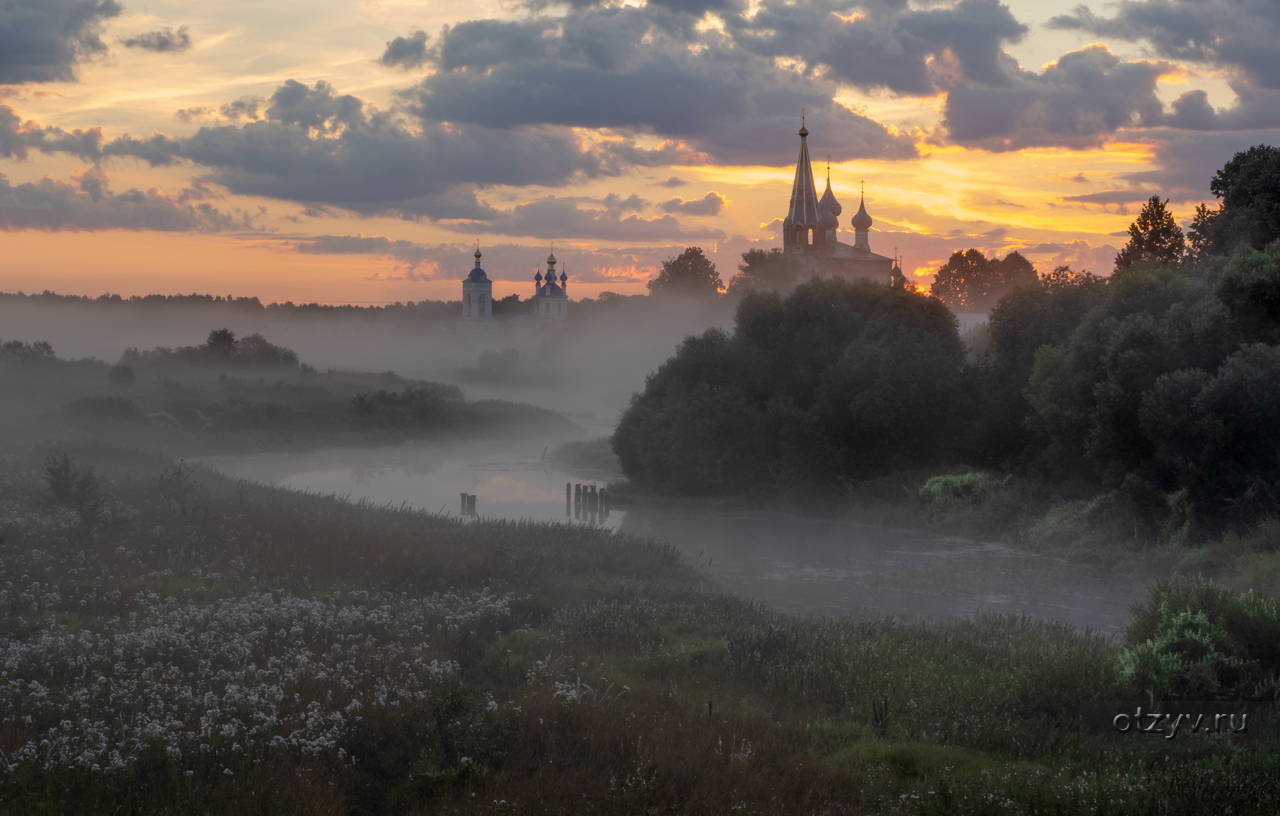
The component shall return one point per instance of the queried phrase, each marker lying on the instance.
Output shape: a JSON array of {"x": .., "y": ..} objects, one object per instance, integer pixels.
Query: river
[{"x": 797, "y": 564}]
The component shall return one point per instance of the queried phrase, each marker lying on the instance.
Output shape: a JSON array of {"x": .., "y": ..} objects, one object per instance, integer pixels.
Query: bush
[
  {"x": 1196, "y": 640},
  {"x": 111, "y": 409}
]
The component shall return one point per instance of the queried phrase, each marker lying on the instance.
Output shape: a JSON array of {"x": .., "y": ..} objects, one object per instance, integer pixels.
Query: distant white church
[
  {"x": 477, "y": 298},
  {"x": 550, "y": 298}
]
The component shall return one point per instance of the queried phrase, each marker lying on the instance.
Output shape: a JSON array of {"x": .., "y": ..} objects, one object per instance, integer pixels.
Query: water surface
[{"x": 796, "y": 564}]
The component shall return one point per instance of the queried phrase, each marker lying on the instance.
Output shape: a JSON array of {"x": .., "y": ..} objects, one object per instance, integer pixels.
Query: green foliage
[
  {"x": 690, "y": 273},
  {"x": 70, "y": 487},
  {"x": 121, "y": 375},
  {"x": 1153, "y": 238},
  {"x": 836, "y": 381},
  {"x": 16, "y": 351},
  {"x": 766, "y": 271},
  {"x": 1196, "y": 640},
  {"x": 1249, "y": 216},
  {"x": 972, "y": 282},
  {"x": 220, "y": 349},
  {"x": 945, "y": 494}
]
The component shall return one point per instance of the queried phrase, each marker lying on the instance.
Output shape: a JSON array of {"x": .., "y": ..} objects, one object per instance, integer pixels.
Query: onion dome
[
  {"x": 861, "y": 221},
  {"x": 538, "y": 277},
  {"x": 477, "y": 275},
  {"x": 827, "y": 219},
  {"x": 551, "y": 259},
  {"x": 563, "y": 276},
  {"x": 828, "y": 200}
]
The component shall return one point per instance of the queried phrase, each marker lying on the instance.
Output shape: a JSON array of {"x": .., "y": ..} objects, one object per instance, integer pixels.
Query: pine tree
[{"x": 1153, "y": 237}]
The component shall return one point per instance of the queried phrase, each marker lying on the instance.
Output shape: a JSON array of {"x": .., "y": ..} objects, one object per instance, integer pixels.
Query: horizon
[{"x": 339, "y": 153}]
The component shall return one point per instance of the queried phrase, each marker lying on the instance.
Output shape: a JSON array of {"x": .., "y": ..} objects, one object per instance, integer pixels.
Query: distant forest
[{"x": 1156, "y": 388}]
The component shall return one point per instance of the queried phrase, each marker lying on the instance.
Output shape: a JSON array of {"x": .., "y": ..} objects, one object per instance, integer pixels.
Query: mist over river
[{"x": 797, "y": 564}]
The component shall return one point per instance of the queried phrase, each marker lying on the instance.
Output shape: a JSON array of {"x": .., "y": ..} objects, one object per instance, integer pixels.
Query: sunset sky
[{"x": 355, "y": 150}]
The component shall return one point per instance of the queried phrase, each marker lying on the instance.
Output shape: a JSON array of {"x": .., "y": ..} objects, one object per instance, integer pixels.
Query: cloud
[
  {"x": 19, "y": 138},
  {"x": 1235, "y": 34},
  {"x": 884, "y": 45},
  {"x": 1235, "y": 37},
  {"x": 1079, "y": 255},
  {"x": 502, "y": 262},
  {"x": 45, "y": 40},
  {"x": 673, "y": 182},
  {"x": 324, "y": 149},
  {"x": 562, "y": 218},
  {"x": 406, "y": 52},
  {"x": 163, "y": 41},
  {"x": 251, "y": 108},
  {"x": 190, "y": 114},
  {"x": 88, "y": 204},
  {"x": 1079, "y": 101},
  {"x": 633, "y": 70},
  {"x": 710, "y": 204}
]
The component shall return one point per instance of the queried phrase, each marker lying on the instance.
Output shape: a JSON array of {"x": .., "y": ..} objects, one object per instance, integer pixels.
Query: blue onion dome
[
  {"x": 861, "y": 221},
  {"x": 563, "y": 276},
  {"x": 827, "y": 219},
  {"x": 477, "y": 275},
  {"x": 828, "y": 201},
  {"x": 538, "y": 277}
]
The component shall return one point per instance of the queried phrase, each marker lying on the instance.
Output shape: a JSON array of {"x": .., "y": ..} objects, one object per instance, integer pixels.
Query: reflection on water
[
  {"x": 825, "y": 567},
  {"x": 508, "y": 480},
  {"x": 796, "y": 564}
]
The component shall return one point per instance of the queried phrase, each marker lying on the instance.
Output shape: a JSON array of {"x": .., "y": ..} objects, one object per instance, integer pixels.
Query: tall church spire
[{"x": 803, "y": 213}]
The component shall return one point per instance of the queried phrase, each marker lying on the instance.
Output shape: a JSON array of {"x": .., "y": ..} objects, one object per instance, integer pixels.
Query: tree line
[{"x": 1157, "y": 385}]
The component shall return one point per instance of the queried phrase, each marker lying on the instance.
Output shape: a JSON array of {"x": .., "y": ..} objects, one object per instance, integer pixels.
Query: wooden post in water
[
  {"x": 471, "y": 505},
  {"x": 568, "y": 496}
]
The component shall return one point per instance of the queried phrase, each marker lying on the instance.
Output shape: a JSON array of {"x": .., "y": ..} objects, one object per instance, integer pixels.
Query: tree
[
  {"x": 971, "y": 282},
  {"x": 766, "y": 271},
  {"x": 1153, "y": 237},
  {"x": 1249, "y": 186},
  {"x": 689, "y": 273},
  {"x": 222, "y": 343}
]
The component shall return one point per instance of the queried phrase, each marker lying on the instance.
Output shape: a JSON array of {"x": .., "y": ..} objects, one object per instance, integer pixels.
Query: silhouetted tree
[
  {"x": 1153, "y": 237},
  {"x": 1249, "y": 186},
  {"x": 971, "y": 282},
  {"x": 689, "y": 273},
  {"x": 766, "y": 271},
  {"x": 222, "y": 343}
]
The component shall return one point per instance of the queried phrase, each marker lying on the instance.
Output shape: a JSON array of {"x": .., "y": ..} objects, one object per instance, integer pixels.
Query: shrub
[{"x": 1196, "y": 640}]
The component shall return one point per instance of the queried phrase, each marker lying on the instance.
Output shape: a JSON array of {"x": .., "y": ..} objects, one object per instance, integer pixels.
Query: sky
[{"x": 357, "y": 151}]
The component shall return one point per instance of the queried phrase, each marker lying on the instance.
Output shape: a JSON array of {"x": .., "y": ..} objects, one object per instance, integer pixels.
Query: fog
[{"x": 588, "y": 368}]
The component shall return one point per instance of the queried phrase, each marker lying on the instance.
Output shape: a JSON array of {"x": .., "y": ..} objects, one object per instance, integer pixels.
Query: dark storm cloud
[
  {"x": 406, "y": 52},
  {"x": 1078, "y": 102},
  {"x": 627, "y": 70},
  {"x": 251, "y": 108},
  {"x": 884, "y": 45},
  {"x": 44, "y": 40},
  {"x": 87, "y": 204},
  {"x": 710, "y": 204},
  {"x": 164, "y": 41}
]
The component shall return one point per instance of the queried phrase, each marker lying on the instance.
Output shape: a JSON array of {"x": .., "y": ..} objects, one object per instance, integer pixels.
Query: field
[{"x": 181, "y": 643}]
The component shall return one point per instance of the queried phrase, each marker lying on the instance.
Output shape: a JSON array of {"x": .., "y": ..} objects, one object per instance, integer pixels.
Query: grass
[{"x": 576, "y": 671}]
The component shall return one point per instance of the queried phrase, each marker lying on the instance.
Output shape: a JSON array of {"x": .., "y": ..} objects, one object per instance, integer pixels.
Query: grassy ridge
[{"x": 574, "y": 671}]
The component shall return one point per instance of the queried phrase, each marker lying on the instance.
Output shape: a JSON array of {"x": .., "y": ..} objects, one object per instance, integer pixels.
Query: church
[
  {"x": 550, "y": 298},
  {"x": 809, "y": 231}
]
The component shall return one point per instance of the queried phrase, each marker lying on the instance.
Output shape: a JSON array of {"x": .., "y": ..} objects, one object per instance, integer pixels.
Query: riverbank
[{"x": 272, "y": 651}]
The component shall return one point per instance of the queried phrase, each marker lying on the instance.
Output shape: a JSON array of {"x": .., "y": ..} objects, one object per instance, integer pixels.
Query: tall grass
[{"x": 202, "y": 645}]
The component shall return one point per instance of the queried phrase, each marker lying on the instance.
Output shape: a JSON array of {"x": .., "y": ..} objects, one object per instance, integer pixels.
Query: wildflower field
[{"x": 177, "y": 642}]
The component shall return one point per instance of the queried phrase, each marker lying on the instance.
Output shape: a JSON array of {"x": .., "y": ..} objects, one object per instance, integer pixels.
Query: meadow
[{"x": 178, "y": 642}]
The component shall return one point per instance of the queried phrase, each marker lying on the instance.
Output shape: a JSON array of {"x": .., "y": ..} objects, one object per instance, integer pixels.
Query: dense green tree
[
  {"x": 766, "y": 271},
  {"x": 835, "y": 381},
  {"x": 690, "y": 273},
  {"x": 1249, "y": 215},
  {"x": 1154, "y": 237},
  {"x": 971, "y": 282}
]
